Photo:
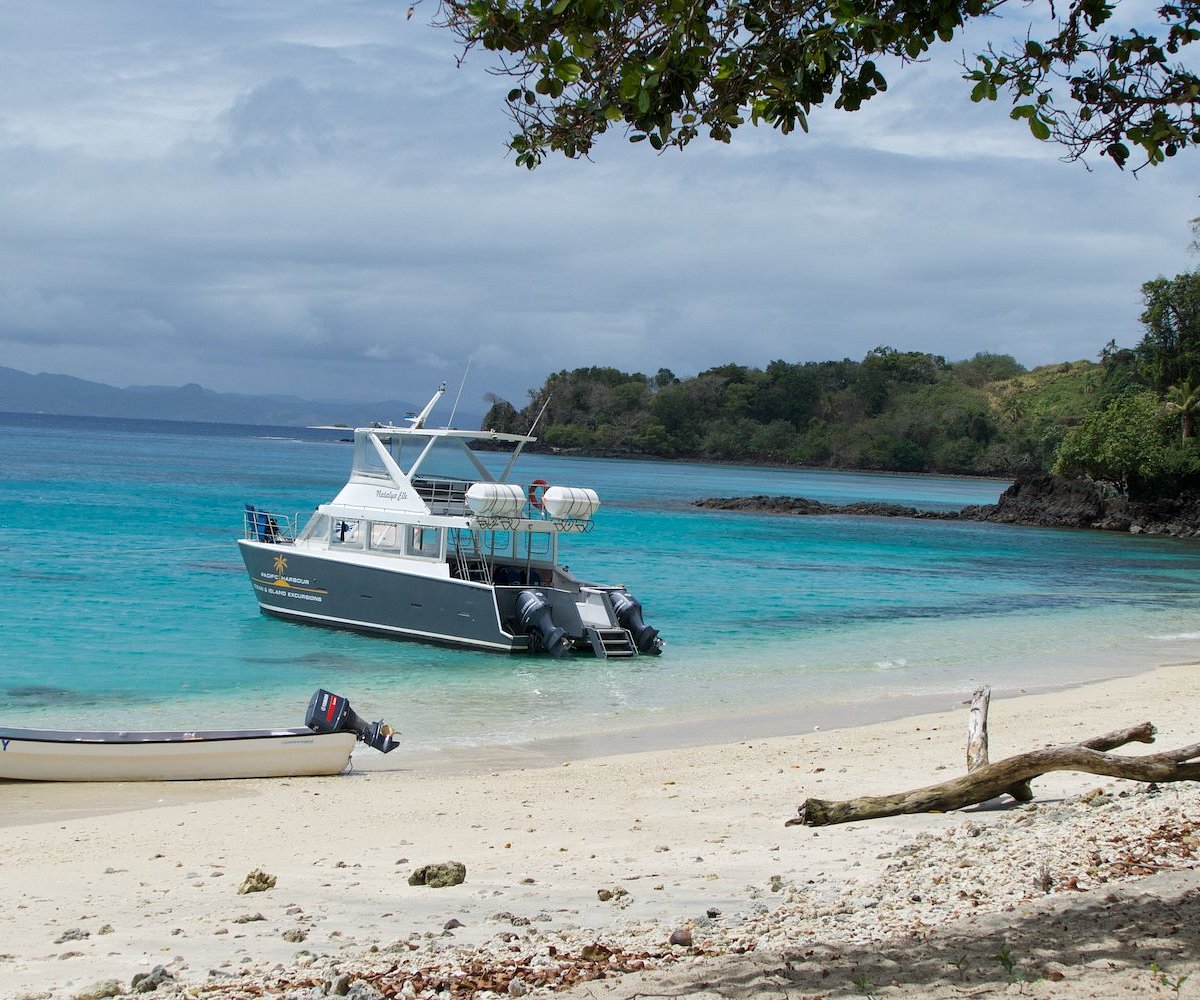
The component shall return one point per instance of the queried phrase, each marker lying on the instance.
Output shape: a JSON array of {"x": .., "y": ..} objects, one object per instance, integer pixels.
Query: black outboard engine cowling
[
  {"x": 533, "y": 612},
  {"x": 629, "y": 614},
  {"x": 331, "y": 713}
]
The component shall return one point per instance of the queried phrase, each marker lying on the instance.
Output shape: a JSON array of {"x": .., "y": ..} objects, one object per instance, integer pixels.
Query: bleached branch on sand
[{"x": 989, "y": 780}]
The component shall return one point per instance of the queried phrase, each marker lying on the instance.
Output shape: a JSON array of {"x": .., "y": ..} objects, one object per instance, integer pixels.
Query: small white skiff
[{"x": 322, "y": 746}]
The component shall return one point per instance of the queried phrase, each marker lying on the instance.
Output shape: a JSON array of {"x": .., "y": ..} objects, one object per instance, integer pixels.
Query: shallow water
[{"x": 127, "y": 605}]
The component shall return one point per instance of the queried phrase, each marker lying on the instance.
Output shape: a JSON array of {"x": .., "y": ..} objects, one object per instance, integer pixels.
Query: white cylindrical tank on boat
[
  {"x": 574, "y": 502},
  {"x": 496, "y": 499}
]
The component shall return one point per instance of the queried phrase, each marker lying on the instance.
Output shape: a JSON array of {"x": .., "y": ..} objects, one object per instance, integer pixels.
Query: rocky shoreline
[
  {"x": 1041, "y": 501},
  {"x": 979, "y": 904},
  {"x": 656, "y": 874}
]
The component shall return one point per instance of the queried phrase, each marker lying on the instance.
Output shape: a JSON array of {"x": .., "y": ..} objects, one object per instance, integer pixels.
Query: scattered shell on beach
[
  {"x": 100, "y": 991},
  {"x": 256, "y": 881},
  {"x": 248, "y": 918}
]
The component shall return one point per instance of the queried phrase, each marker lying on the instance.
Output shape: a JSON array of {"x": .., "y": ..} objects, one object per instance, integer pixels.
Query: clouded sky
[{"x": 309, "y": 197}]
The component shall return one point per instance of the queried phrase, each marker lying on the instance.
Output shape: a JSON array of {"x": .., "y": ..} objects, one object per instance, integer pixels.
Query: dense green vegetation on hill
[{"x": 1126, "y": 418}]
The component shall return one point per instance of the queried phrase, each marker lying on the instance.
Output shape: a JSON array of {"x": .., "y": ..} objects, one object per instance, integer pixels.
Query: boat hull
[
  {"x": 384, "y": 601},
  {"x": 47, "y": 755}
]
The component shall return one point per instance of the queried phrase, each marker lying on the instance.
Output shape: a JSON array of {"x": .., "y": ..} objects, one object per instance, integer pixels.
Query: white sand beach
[{"x": 580, "y": 872}]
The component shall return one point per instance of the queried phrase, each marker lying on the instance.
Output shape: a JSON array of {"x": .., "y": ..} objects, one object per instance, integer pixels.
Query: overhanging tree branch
[{"x": 667, "y": 71}]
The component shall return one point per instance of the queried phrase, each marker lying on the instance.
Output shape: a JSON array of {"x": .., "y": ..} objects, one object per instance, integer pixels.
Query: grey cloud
[{"x": 185, "y": 187}]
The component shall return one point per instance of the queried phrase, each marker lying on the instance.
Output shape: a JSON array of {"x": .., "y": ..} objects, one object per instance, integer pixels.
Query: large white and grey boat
[{"x": 425, "y": 543}]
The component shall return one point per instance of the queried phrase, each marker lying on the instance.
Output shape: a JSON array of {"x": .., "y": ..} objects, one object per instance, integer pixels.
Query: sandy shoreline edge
[{"x": 105, "y": 882}]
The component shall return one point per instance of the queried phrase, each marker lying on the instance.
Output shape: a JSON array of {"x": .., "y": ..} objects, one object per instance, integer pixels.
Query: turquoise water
[{"x": 126, "y": 605}]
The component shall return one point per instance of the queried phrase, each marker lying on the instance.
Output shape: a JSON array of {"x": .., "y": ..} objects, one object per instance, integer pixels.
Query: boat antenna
[
  {"x": 521, "y": 446},
  {"x": 537, "y": 419},
  {"x": 461, "y": 386}
]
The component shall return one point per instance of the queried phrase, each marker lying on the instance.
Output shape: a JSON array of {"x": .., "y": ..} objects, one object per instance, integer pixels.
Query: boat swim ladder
[
  {"x": 469, "y": 558},
  {"x": 610, "y": 643}
]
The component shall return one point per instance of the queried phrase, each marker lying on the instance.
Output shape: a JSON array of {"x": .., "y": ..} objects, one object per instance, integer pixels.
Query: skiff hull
[{"x": 53, "y": 755}]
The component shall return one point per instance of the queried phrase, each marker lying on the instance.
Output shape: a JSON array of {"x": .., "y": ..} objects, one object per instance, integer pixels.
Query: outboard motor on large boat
[
  {"x": 533, "y": 612},
  {"x": 629, "y": 615},
  {"x": 331, "y": 713}
]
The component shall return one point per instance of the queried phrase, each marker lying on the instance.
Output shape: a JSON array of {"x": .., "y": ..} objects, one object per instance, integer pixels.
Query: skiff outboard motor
[
  {"x": 331, "y": 713},
  {"x": 629, "y": 615},
  {"x": 533, "y": 612}
]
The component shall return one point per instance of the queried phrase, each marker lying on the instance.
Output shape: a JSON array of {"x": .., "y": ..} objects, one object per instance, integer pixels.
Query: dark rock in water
[
  {"x": 1041, "y": 501},
  {"x": 1049, "y": 501},
  {"x": 39, "y": 691},
  {"x": 803, "y": 506},
  {"x": 439, "y": 876}
]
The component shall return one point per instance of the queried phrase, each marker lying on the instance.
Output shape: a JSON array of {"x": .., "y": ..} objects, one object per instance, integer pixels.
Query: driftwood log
[
  {"x": 977, "y": 742},
  {"x": 988, "y": 780}
]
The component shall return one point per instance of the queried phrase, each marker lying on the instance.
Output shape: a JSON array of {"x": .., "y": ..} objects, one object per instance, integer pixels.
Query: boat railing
[
  {"x": 443, "y": 496},
  {"x": 262, "y": 526},
  {"x": 449, "y": 497}
]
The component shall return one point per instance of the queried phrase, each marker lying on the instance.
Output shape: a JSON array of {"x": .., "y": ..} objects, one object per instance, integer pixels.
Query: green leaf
[
  {"x": 568, "y": 71},
  {"x": 1039, "y": 128}
]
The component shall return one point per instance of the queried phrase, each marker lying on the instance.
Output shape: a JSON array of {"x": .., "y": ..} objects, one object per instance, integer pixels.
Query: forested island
[{"x": 1126, "y": 421}]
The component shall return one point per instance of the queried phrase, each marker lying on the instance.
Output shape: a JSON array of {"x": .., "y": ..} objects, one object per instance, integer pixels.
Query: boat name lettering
[
  {"x": 295, "y": 596},
  {"x": 391, "y": 494},
  {"x": 286, "y": 579}
]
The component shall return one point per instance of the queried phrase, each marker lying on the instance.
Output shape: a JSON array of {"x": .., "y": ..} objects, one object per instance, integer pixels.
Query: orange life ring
[{"x": 534, "y": 498}]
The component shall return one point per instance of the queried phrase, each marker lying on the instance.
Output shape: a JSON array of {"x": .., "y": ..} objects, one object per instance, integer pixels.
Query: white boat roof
[{"x": 389, "y": 458}]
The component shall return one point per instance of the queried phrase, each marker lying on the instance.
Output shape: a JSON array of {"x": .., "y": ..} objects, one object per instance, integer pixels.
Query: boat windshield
[{"x": 446, "y": 458}]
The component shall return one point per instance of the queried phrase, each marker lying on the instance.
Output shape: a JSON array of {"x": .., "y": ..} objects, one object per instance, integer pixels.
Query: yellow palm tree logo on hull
[{"x": 280, "y": 565}]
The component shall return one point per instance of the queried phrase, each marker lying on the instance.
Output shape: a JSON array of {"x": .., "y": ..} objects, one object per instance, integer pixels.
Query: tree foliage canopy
[
  {"x": 1129, "y": 420},
  {"x": 1170, "y": 349},
  {"x": 670, "y": 70}
]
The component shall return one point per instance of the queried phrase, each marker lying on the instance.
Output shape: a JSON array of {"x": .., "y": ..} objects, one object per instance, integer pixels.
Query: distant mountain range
[{"x": 21, "y": 392}]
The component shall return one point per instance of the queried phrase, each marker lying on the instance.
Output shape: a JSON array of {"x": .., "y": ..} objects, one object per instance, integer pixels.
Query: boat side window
[
  {"x": 425, "y": 542},
  {"x": 498, "y": 543},
  {"x": 534, "y": 544},
  {"x": 387, "y": 537},
  {"x": 317, "y": 527},
  {"x": 348, "y": 532}
]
